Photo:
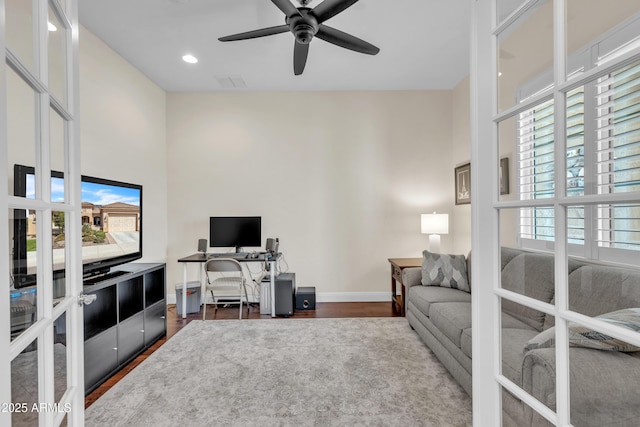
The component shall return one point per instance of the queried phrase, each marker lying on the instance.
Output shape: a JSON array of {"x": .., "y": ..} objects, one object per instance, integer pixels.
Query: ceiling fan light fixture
[{"x": 190, "y": 59}]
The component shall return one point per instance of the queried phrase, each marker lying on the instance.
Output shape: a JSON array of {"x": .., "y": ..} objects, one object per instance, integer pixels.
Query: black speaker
[
  {"x": 285, "y": 294},
  {"x": 306, "y": 298},
  {"x": 202, "y": 245}
]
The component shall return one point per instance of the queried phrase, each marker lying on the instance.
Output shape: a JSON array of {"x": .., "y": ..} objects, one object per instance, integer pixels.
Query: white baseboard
[
  {"x": 330, "y": 297},
  {"x": 353, "y": 297}
]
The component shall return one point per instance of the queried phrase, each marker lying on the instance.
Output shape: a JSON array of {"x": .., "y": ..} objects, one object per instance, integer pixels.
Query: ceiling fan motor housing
[{"x": 303, "y": 26}]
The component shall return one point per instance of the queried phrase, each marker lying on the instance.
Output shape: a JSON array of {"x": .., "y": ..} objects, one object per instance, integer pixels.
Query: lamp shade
[{"x": 434, "y": 223}]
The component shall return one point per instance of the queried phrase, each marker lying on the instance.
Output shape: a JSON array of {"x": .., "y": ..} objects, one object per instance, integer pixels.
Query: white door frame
[
  {"x": 486, "y": 206},
  {"x": 71, "y": 404},
  {"x": 484, "y": 218}
]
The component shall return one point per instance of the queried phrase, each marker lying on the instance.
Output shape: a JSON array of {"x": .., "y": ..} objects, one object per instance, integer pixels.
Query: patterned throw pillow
[
  {"x": 449, "y": 271},
  {"x": 579, "y": 336}
]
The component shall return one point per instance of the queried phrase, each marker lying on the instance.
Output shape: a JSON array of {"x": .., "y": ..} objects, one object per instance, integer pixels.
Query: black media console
[{"x": 126, "y": 318}]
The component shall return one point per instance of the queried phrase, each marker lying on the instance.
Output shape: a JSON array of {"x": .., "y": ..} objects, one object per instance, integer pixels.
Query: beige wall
[
  {"x": 340, "y": 177},
  {"x": 461, "y": 154},
  {"x": 122, "y": 133}
]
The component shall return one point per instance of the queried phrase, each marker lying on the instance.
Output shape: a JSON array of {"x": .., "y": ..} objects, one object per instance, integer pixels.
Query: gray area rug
[{"x": 287, "y": 372}]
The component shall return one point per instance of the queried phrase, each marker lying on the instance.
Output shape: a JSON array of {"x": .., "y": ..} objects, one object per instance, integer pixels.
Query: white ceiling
[{"x": 424, "y": 44}]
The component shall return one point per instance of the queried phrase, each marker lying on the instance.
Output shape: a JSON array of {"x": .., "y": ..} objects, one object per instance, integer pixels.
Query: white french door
[
  {"x": 41, "y": 354},
  {"x": 554, "y": 88}
]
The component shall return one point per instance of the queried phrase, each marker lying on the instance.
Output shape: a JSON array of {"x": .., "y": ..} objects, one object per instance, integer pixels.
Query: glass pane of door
[
  {"x": 57, "y": 57},
  {"x": 609, "y": 31},
  {"x": 24, "y": 387},
  {"x": 23, "y": 291},
  {"x": 603, "y": 382},
  {"x": 525, "y": 56},
  {"x": 59, "y": 236},
  {"x": 57, "y": 132},
  {"x": 21, "y": 132},
  {"x": 19, "y": 30},
  {"x": 508, "y": 161},
  {"x": 60, "y": 355}
]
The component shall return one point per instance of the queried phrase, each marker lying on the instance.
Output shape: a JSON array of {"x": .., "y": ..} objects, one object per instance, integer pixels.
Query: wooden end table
[{"x": 397, "y": 265}]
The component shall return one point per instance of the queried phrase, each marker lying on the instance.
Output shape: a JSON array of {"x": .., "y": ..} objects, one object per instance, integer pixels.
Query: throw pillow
[
  {"x": 580, "y": 336},
  {"x": 449, "y": 271}
]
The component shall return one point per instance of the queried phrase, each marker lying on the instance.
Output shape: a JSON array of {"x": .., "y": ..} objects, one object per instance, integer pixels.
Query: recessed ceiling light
[
  {"x": 51, "y": 27},
  {"x": 190, "y": 59}
]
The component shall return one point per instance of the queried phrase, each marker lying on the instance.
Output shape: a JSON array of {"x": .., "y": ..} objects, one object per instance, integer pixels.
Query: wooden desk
[{"x": 397, "y": 265}]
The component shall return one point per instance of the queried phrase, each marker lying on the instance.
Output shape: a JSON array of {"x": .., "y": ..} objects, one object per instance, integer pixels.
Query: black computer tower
[{"x": 285, "y": 294}]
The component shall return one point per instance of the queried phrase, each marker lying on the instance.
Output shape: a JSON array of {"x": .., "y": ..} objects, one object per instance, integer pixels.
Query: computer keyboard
[
  {"x": 241, "y": 255},
  {"x": 238, "y": 255},
  {"x": 232, "y": 255}
]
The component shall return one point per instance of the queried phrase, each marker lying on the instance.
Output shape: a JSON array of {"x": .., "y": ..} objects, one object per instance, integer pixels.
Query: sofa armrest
[
  {"x": 412, "y": 276},
  {"x": 603, "y": 385}
]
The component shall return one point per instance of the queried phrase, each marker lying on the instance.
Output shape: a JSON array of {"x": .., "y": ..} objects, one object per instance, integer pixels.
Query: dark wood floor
[{"x": 175, "y": 323}]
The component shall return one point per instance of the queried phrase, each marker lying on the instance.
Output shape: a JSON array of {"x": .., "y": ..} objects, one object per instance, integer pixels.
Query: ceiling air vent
[{"x": 231, "y": 82}]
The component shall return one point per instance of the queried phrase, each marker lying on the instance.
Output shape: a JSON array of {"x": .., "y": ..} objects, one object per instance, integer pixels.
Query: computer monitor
[{"x": 235, "y": 231}]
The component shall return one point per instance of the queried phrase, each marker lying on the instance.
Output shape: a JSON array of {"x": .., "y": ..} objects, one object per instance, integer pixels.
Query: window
[
  {"x": 603, "y": 157},
  {"x": 618, "y": 154}
]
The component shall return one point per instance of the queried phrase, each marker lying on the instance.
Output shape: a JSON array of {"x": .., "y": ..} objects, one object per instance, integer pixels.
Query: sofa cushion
[
  {"x": 445, "y": 270},
  {"x": 423, "y": 296},
  {"x": 514, "y": 340},
  {"x": 529, "y": 274},
  {"x": 604, "y": 385},
  {"x": 451, "y": 318},
  {"x": 580, "y": 336},
  {"x": 596, "y": 289},
  {"x": 507, "y": 254},
  {"x": 508, "y": 321}
]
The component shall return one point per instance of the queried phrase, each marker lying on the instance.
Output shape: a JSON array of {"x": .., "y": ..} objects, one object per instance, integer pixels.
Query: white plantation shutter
[
  {"x": 615, "y": 109},
  {"x": 575, "y": 163},
  {"x": 618, "y": 155},
  {"x": 535, "y": 159}
]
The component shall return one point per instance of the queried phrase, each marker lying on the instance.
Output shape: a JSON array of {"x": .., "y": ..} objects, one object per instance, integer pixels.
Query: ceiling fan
[{"x": 305, "y": 24}]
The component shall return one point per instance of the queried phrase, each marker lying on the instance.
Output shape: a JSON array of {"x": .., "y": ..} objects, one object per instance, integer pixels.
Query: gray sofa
[{"x": 605, "y": 385}]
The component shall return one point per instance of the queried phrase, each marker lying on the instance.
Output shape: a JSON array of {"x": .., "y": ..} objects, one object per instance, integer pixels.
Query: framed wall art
[
  {"x": 504, "y": 175},
  {"x": 463, "y": 184}
]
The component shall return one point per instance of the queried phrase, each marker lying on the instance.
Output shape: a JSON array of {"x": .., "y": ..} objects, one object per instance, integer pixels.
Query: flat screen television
[
  {"x": 235, "y": 231},
  {"x": 111, "y": 225}
]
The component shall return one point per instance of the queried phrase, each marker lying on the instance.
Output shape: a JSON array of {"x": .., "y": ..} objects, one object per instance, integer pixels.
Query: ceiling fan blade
[
  {"x": 330, "y": 8},
  {"x": 286, "y": 7},
  {"x": 345, "y": 40},
  {"x": 256, "y": 33},
  {"x": 300, "y": 52}
]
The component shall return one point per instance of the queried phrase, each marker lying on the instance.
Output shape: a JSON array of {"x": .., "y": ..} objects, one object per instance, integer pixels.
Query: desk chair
[{"x": 233, "y": 285}]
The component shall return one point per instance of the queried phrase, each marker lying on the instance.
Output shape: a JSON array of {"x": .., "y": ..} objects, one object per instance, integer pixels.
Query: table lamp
[{"x": 434, "y": 225}]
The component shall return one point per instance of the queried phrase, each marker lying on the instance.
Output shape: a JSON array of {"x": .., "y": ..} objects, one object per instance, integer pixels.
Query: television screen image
[
  {"x": 235, "y": 231},
  {"x": 111, "y": 220},
  {"x": 111, "y": 225}
]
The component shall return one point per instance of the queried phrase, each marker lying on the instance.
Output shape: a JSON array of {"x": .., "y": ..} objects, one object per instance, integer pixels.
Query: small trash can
[{"x": 193, "y": 298}]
